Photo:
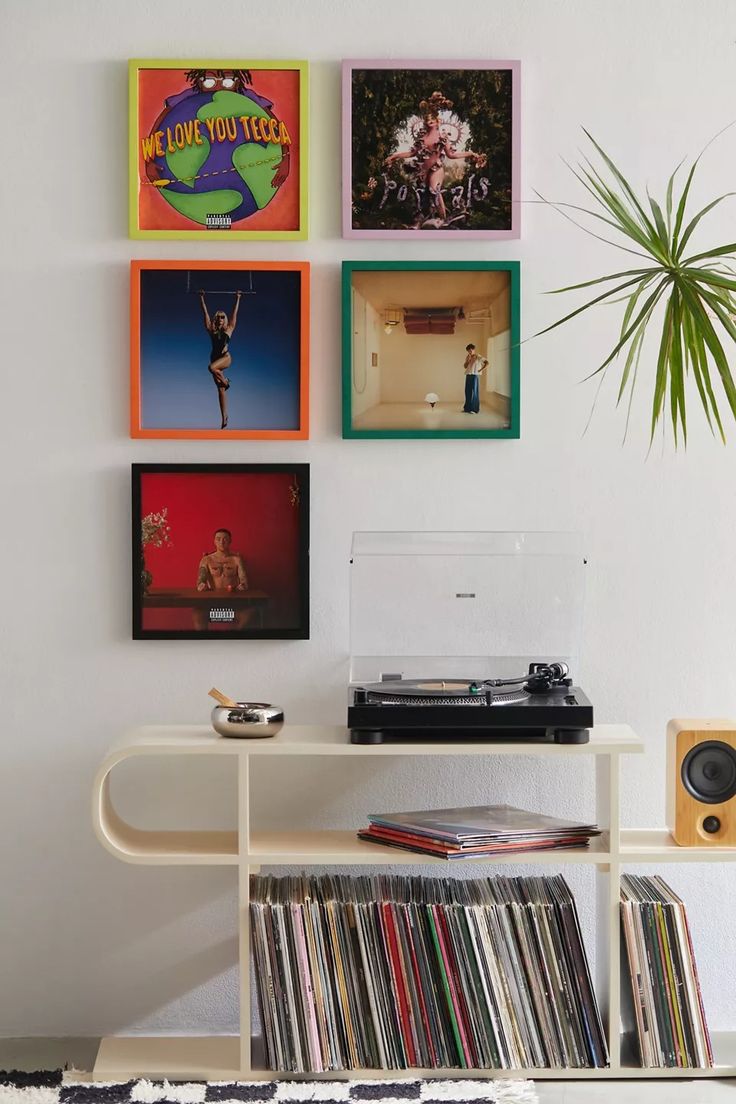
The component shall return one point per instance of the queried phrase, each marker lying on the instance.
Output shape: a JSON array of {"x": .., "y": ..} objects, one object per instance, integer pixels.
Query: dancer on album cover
[
  {"x": 220, "y": 328},
  {"x": 474, "y": 367},
  {"x": 431, "y": 149}
]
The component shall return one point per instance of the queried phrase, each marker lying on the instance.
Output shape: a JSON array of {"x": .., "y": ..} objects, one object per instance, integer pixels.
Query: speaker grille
[{"x": 709, "y": 772}]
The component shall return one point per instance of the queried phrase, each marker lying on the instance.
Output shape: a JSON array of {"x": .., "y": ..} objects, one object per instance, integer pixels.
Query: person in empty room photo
[
  {"x": 431, "y": 351},
  {"x": 474, "y": 367}
]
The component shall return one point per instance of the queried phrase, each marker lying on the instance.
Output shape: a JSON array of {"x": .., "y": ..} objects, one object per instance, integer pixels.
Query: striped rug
[{"x": 56, "y": 1087}]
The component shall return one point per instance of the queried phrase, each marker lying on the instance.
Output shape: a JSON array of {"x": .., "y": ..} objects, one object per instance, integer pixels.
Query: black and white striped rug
[{"x": 55, "y": 1087}]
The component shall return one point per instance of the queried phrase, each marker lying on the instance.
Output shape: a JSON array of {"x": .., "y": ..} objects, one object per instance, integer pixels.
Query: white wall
[{"x": 89, "y": 944}]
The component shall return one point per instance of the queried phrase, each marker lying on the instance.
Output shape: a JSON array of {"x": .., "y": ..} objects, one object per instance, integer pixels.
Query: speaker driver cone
[{"x": 709, "y": 772}]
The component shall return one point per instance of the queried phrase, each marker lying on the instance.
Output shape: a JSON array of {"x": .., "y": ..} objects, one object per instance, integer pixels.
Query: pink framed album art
[{"x": 431, "y": 149}]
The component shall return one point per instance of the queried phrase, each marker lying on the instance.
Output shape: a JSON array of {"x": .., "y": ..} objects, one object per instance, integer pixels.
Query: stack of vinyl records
[
  {"x": 476, "y": 831},
  {"x": 663, "y": 1006},
  {"x": 389, "y": 972}
]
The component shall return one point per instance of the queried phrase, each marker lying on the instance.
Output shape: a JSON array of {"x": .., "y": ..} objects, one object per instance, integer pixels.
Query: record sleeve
[
  {"x": 436, "y": 938},
  {"x": 702, "y": 1035},
  {"x": 580, "y": 972},
  {"x": 492, "y": 823},
  {"x": 387, "y": 972}
]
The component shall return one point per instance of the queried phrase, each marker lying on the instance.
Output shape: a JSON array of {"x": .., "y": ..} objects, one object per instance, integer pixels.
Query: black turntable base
[{"x": 541, "y": 706}]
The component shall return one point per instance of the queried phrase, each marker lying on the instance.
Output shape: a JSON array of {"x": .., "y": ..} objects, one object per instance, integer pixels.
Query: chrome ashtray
[{"x": 247, "y": 720}]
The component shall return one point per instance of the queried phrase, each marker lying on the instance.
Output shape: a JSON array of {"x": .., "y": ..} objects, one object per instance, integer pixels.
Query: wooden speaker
[{"x": 701, "y": 782}]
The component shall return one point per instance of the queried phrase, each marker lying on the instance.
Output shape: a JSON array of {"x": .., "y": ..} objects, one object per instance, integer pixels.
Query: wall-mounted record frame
[
  {"x": 431, "y": 149},
  {"x": 219, "y": 349},
  {"x": 220, "y": 551},
  {"x": 218, "y": 148}
]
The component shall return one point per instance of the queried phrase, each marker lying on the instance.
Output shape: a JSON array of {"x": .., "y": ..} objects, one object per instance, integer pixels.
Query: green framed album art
[
  {"x": 431, "y": 349},
  {"x": 218, "y": 149}
]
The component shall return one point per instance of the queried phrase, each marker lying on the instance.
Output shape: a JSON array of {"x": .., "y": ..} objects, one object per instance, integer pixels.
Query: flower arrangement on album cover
[{"x": 430, "y": 149}]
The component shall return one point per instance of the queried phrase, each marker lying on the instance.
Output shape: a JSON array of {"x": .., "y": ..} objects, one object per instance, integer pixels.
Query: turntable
[
  {"x": 542, "y": 704},
  {"x": 429, "y": 608}
]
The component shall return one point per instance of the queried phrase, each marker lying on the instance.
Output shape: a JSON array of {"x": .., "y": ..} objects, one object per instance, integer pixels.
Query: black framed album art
[{"x": 220, "y": 551}]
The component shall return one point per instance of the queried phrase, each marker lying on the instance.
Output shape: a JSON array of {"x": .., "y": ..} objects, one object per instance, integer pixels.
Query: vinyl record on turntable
[{"x": 438, "y": 692}]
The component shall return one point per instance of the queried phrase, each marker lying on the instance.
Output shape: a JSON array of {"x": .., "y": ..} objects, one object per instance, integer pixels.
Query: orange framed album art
[
  {"x": 218, "y": 149},
  {"x": 219, "y": 349}
]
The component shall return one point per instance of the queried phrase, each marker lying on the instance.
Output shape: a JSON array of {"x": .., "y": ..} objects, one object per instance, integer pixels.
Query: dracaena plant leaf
[{"x": 678, "y": 331}]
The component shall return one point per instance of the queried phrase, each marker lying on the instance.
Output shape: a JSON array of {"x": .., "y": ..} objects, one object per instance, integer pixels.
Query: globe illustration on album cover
[{"x": 215, "y": 149}]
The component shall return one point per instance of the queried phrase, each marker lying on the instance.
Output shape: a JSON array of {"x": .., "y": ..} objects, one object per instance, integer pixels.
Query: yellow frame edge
[{"x": 134, "y": 231}]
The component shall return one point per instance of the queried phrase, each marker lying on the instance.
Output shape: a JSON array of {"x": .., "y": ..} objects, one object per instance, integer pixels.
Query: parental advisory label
[
  {"x": 219, "y": 222},
  {"x": 222, "y": 614}
]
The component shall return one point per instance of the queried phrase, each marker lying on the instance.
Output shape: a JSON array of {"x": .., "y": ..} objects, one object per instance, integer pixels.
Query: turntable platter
[{"x": 438, "y": 692}]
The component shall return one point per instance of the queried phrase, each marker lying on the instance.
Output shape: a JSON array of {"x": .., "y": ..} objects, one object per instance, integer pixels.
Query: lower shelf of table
[
  {"x": 217, "y": 1058},
  {"x": 178, "y": 1058}
]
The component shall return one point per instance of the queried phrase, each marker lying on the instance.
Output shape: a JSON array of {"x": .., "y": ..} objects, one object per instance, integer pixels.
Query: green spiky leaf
[{"x": 697, "y": 295}]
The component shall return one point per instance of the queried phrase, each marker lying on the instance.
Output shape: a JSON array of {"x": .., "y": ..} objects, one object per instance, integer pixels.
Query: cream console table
[{"x": 231, "y": 1057}]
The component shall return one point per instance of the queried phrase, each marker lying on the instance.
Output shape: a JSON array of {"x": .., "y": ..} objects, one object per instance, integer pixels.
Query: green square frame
[
  {"x": 513, "y": 430},
  {"x": 134, "y": 231}
]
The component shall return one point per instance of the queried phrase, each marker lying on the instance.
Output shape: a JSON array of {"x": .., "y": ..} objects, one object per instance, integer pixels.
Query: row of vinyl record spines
[
  {"x": 662, "y": 1002},
  {"x": 391, "y": 972}
]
